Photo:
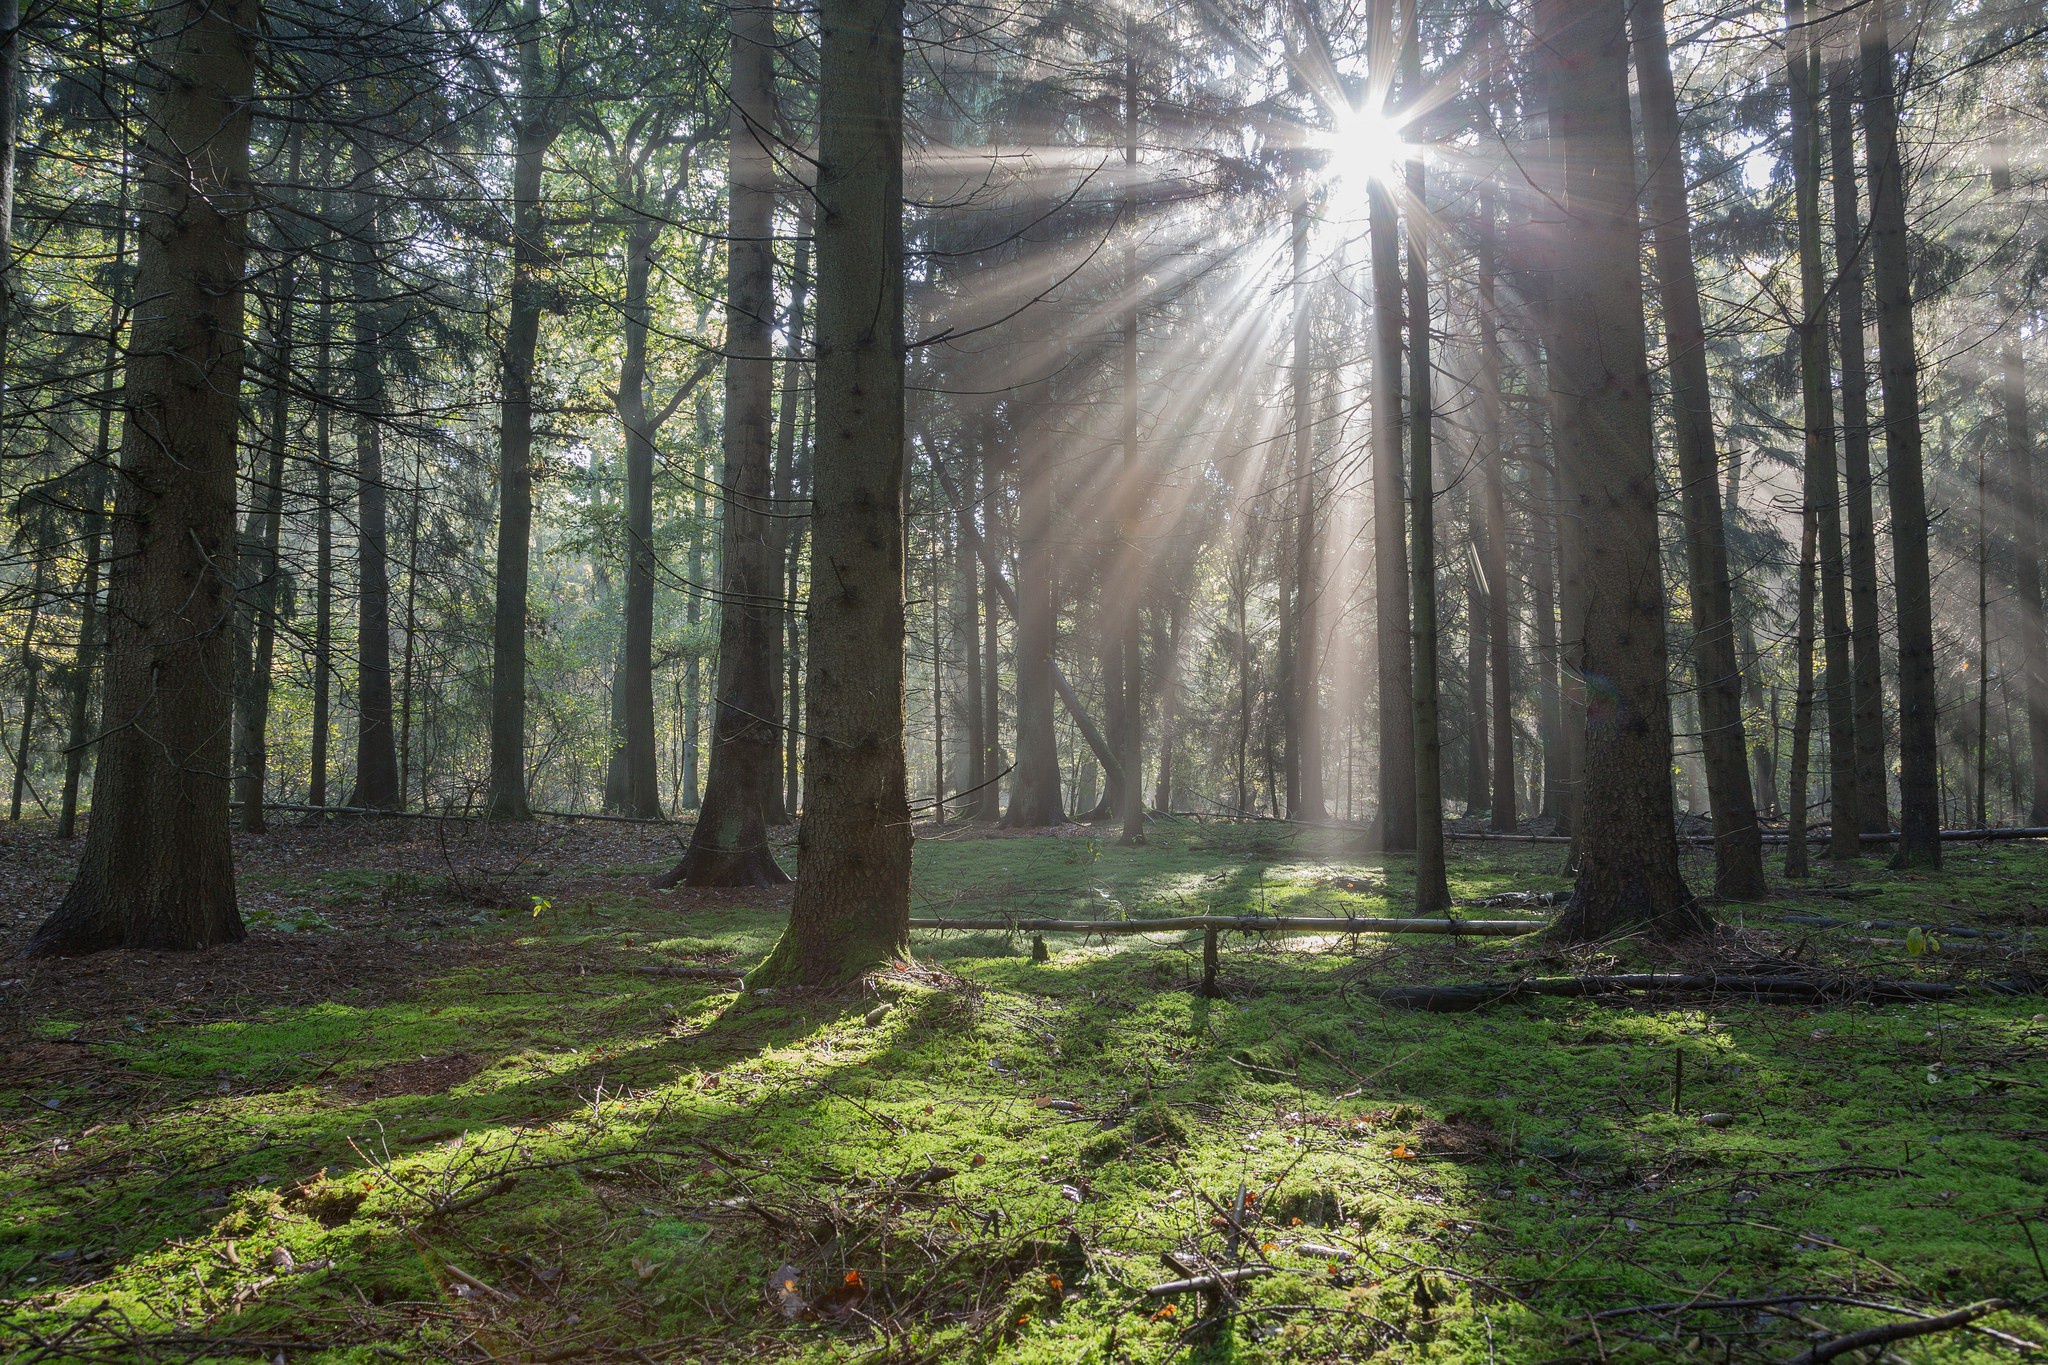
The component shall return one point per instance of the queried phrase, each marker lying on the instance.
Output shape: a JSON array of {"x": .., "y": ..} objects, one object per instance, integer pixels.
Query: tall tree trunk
[
  {"x": 1763, "y": 753},
  {"x": 376, "y": 752},
  {"x": 729, "y": 846},
  {"x": 785, "y": 528},
  {"x": 638, "y": 792},
  {"x": 1628, "y": 876},
  {"x": 1432, "y": 884},
  {"x": 1867, "y": 661},
  {"x": 991, "y": 649},
  {"x": 693, "y": 615},
  {"x": 1396, "y": 664},
  {"x": 966, "y": 630},
  {"x": 157, "y": 870},
  {"x": 1166, "y": 649},
  {"x": 1823, "y": 486},
  {"x": 1738, "y": 841},
  {"x": 32, "y": 675},
  {"x": 260, "y": 565},
  {"x": 533, "y": 132},
  {"x": 1130, "y": 703},
  {"x": 1304, "y": 700},
  {"x": 1493, "y": 558},
  {"x": 92, "y": 629},
  {"x": 1035, "y": 799},
  {"x": 323, "y": 530},
  {"x": 2024, "y": 510},
  {"x": 1543, "y": 504},
  {"x": 1796, "y": 864},
  {"x": 852, "y": 906},
  {"x": 1891, "y": 272}
]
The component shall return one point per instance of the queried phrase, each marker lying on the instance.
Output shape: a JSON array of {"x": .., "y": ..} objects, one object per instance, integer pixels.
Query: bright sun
[{"x": 1364, "y": 145}]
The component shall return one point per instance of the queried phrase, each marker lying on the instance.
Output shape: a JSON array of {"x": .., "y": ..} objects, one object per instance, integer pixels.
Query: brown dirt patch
[{"x": 427, "y": 1076}]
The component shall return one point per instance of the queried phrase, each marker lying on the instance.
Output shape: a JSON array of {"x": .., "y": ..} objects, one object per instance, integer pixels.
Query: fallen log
[{"x": 1478, "y": 994}]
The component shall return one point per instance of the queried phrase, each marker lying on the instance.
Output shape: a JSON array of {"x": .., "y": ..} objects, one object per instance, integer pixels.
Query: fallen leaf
[{"x": 784, "y": 1293}]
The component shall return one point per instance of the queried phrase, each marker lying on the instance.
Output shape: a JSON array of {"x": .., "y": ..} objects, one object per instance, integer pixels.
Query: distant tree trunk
[
  {"x": 533, "y": 133},
  {"x": 1738, "y": 841},
  {"x": 323, "y": 531},
  {"x": 794, "y": 730},
  {"x": 1823, "y": 485},
  {"x": 991, "y": 642},
  {"x": 637, "y": 791},
  {"x": 2024, "y": 510},
  {"x": 1304, "y": 693},
  {"x": 852, "y": 906},
  {"x": 1796, "y": 864},
  {"x": 1432, "y": 884},
  {"x": 260, "y": 564},
  {"x": 1549, "y": 694},
  {"x": 966, "y": 631},
  {"x": 785, "y": 527},
  {"x": 1493, "y": 554},
  {"x": 1130, "y": 703},
  {"x": 1872, "y": 784},
  {"x": 32, "y": 675},
  {"x": 376, "y": 752},
  {"x": 1396, "y": 666},
  {"x": 157, "y": 870},
  {"x": 1891, "y": 270},
  {"x": 1478, "y": 646},
  {"x": 1166, "y": 649},
  {"x": 729, "y": 846},
  {"x": 1763, "y": 754},
  {"x": 1035, "y": 783},
  {"x": 693, "y": 666},
  {"x": 92, "y": 628},
  {"x": 1628, "y": 876}
]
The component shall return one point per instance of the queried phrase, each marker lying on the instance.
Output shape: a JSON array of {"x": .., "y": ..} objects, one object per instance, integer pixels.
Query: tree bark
[
  {"x": 785, "y": 528},
  {"x": 1866, "y": 648},
  {"x": 376, "y": 748},
  {"x": 2023, "y": 507},
  {"x": 92, "y": 628},
  {"x": 1500, "y": 622},
  {"x": 1395, "y": 824},
  {"x": 1823, "y": 484},
  {"x": 1899, "y": 366},
  {"x": 1796, "y": 856},
  {"x": 852, "y": 907},
  {"x": 729, "y": 846},
  {"x": 1035, "y": 798},
  {"x": 1628, "y": 875},
  {"x": 1130, "y": 703},
  {"x": 157, "y": 870},
  {"x": 1738, "y": 841},
  {"x": 323, "y": 530},
  {"x": 533, "y": 132},
  {"x": 1304, "y": 700},
  {"x": 1432, "y": 884},
  {"x": 260, "y": 564}
]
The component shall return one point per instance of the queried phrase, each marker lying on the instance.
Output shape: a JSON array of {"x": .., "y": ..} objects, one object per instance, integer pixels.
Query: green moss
[{"x": 1004, "y": 1155}]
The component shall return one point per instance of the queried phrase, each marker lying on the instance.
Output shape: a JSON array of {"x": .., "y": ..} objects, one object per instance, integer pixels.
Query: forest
[{"x": 1048, "y": 681}]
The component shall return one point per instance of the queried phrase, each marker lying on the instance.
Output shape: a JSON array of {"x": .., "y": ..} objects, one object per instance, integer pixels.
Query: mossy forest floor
[{"x": 447, "y": 1104}]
